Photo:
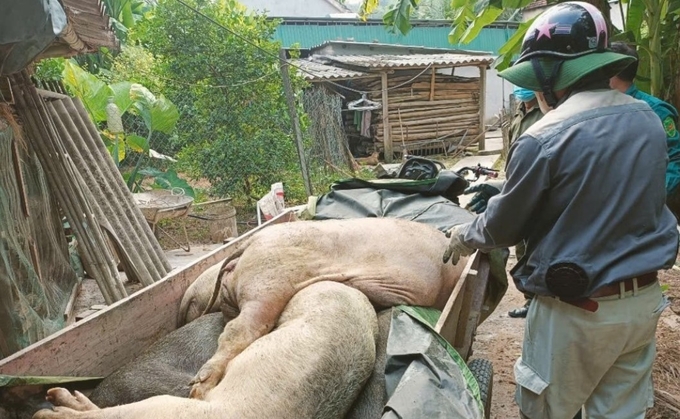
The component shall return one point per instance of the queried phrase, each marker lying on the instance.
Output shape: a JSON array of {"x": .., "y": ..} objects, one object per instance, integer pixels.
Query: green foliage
[
  {"x": 158, "y": 113},
  {"x": 135, "y": 63},
  {"x": 50, "y": 69},
  {"x": 125, "y": 14},
  {"x": 93, "y": 92},
  {"x": 234, "y": 130},
  {"x": 167, "y": 180}
]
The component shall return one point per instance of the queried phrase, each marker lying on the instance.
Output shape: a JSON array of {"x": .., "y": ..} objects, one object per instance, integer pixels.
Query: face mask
[
  {"x": 542, "y": 103},
  {"x": 524, "y": 95}
]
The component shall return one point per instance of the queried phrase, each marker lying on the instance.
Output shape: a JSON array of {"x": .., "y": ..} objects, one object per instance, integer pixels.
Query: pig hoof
[
  {"x": 77, "y": 401},
  {"x": 207, "y": 378},
  {"x": 56, "y": 413}
]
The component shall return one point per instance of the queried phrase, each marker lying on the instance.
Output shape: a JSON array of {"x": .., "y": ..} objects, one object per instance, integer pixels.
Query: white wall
[
  {"x": 292, "y": 8},
  {"x": 497, "y": 90}
]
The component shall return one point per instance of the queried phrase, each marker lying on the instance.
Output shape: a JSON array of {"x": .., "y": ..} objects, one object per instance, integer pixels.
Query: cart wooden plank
[
  {"x": 448, "y": 320},
  {"x": 100, "y": 344}
]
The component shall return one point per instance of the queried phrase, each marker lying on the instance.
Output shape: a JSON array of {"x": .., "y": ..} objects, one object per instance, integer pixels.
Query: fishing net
[{"x": 36, "y": 277}]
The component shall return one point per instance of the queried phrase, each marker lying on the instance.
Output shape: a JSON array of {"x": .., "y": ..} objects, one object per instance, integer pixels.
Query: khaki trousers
[{"x": 602, "y": 361}]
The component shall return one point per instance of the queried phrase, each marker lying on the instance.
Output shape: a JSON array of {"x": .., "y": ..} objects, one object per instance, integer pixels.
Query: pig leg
[
  {"x": 76, "y": 401},
  {"x": 160, "y": 407},
  {"x": 256, "y": 319}
]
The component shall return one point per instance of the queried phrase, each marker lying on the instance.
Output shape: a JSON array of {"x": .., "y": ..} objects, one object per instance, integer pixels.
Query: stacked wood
[{"x": 427, "y": 109}]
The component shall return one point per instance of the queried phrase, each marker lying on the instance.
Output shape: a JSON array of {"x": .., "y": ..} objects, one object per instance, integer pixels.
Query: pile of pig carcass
[{"x": 298, "y": 336}]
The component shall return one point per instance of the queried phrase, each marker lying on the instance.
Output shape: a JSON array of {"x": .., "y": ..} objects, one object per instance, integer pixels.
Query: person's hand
[
  {"x": 483, "y": 192},
  {"x": 456, "y": 247}
]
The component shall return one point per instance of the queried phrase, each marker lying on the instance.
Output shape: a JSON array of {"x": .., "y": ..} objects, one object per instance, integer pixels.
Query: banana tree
[
  {"x": 125, "y": 14},
  {"x": 651, "y": 24},
  {"x": 159, "y": 115}
]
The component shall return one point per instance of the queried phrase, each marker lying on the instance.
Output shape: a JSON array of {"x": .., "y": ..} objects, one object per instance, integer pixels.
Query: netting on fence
[
  {"x": 329, "y": 146},
  {"x": 36, "y": 278}
]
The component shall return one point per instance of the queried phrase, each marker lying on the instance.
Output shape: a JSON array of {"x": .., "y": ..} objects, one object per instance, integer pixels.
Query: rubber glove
[
  {"x": 484, "y": 191},
  {"x": 456, "y": 247}
]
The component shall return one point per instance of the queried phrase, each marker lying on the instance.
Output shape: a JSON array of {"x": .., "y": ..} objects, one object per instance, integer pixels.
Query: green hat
[{"x": 572, "y": 70}]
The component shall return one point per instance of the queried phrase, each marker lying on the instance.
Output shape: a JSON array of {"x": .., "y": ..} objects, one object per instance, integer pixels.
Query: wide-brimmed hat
[{"x": 572, "y": 70}]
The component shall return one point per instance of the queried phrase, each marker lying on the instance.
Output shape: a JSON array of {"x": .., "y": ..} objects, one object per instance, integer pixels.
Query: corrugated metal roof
[
  {"x": 314, "y": 71},
  {"x": 308, "y": 34},
  {"x": 403, "y": 61}
]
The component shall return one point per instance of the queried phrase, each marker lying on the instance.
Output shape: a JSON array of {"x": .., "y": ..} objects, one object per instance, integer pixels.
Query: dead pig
[
  {"x": 391, "y": 261},
  {"x": 166, "y": 367},
  {"x": 309, "y": 367},
  {"x": 197, "y": 297}
]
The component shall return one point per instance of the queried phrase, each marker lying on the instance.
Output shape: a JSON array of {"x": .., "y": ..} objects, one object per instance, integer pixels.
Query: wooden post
[
  {"x": 387, "y": 134},
  {"x": 432, "y": 83},
  {"x": 290, "y": 99},
  {"x": 482, "y": 105}
]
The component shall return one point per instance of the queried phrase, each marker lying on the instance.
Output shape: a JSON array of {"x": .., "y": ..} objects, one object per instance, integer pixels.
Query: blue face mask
[{"x": 525, "y": 95}]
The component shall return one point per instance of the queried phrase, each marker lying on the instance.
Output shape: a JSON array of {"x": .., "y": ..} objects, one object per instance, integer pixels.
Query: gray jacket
[{"x": 585, "y": 185}]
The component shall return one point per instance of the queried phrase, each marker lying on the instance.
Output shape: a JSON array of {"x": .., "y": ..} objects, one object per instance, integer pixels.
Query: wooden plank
[
  {"x": 69, "y": 311},
  {"x": 100, "y": 344},
  {"x": 474, "y": 300},
  {"x": 482, "y": 102},
  {"x": 389, "y": 154},
  {"x": 433, "y": 81},
  {"x": 448, "y": 320}
]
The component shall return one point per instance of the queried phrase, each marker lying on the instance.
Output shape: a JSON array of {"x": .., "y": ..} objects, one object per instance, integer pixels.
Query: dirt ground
[{"x": 499, "y": 339}]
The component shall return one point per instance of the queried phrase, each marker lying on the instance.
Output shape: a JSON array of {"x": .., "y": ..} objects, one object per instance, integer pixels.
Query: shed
[{"x": 422, "y": 105}]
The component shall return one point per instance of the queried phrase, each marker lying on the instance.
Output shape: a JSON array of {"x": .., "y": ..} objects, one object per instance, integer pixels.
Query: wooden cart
[{"x": 98, "y": 345}]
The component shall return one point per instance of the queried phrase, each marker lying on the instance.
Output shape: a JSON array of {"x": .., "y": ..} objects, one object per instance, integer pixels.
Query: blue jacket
[
  {"x": 585, "y": 185},
  {"x": 669, "y": 118}
]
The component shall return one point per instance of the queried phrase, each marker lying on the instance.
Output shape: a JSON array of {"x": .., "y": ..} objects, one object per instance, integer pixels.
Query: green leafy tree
[{"x": 234, "y": 129}]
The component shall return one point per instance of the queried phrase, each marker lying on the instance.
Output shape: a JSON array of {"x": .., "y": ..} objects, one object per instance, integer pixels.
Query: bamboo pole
[
  {"x": 482, "y": 94},
  {"x": 387, "y": 137},
  {"x": 433, "y": 81},
  {"x": 290, "y": 100},
  {"x": 123, "y": 197},
  {"x": 100, "y": 186},
  {"x": 63, "y": 181}
]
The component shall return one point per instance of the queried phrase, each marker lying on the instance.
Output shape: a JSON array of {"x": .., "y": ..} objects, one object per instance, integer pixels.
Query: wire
[{"x": 286, "y": 62}]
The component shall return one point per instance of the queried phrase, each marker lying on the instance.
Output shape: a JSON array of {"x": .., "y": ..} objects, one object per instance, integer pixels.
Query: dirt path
[{"x": 499, "y": 339}]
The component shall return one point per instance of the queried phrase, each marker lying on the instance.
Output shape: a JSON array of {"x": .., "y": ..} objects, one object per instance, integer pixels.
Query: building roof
[
  {"x": 376, "y": 62},
  {"x": 296, "y": 8},
  {"x": 315, "y": 71},
  {"x": 309, "y": 33},
  {"x": 88, "y": 29}
]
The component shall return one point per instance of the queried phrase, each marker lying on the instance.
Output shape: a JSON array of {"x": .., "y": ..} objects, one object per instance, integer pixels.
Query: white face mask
[{"x": 542, "y": 103}]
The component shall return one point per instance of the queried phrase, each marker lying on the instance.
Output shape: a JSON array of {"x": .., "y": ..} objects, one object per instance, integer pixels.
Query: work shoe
[{"x": 520, "y": 312}]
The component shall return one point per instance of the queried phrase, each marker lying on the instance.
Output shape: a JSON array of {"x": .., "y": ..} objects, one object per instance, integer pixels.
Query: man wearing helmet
[{"x": 596, "y": 230}]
